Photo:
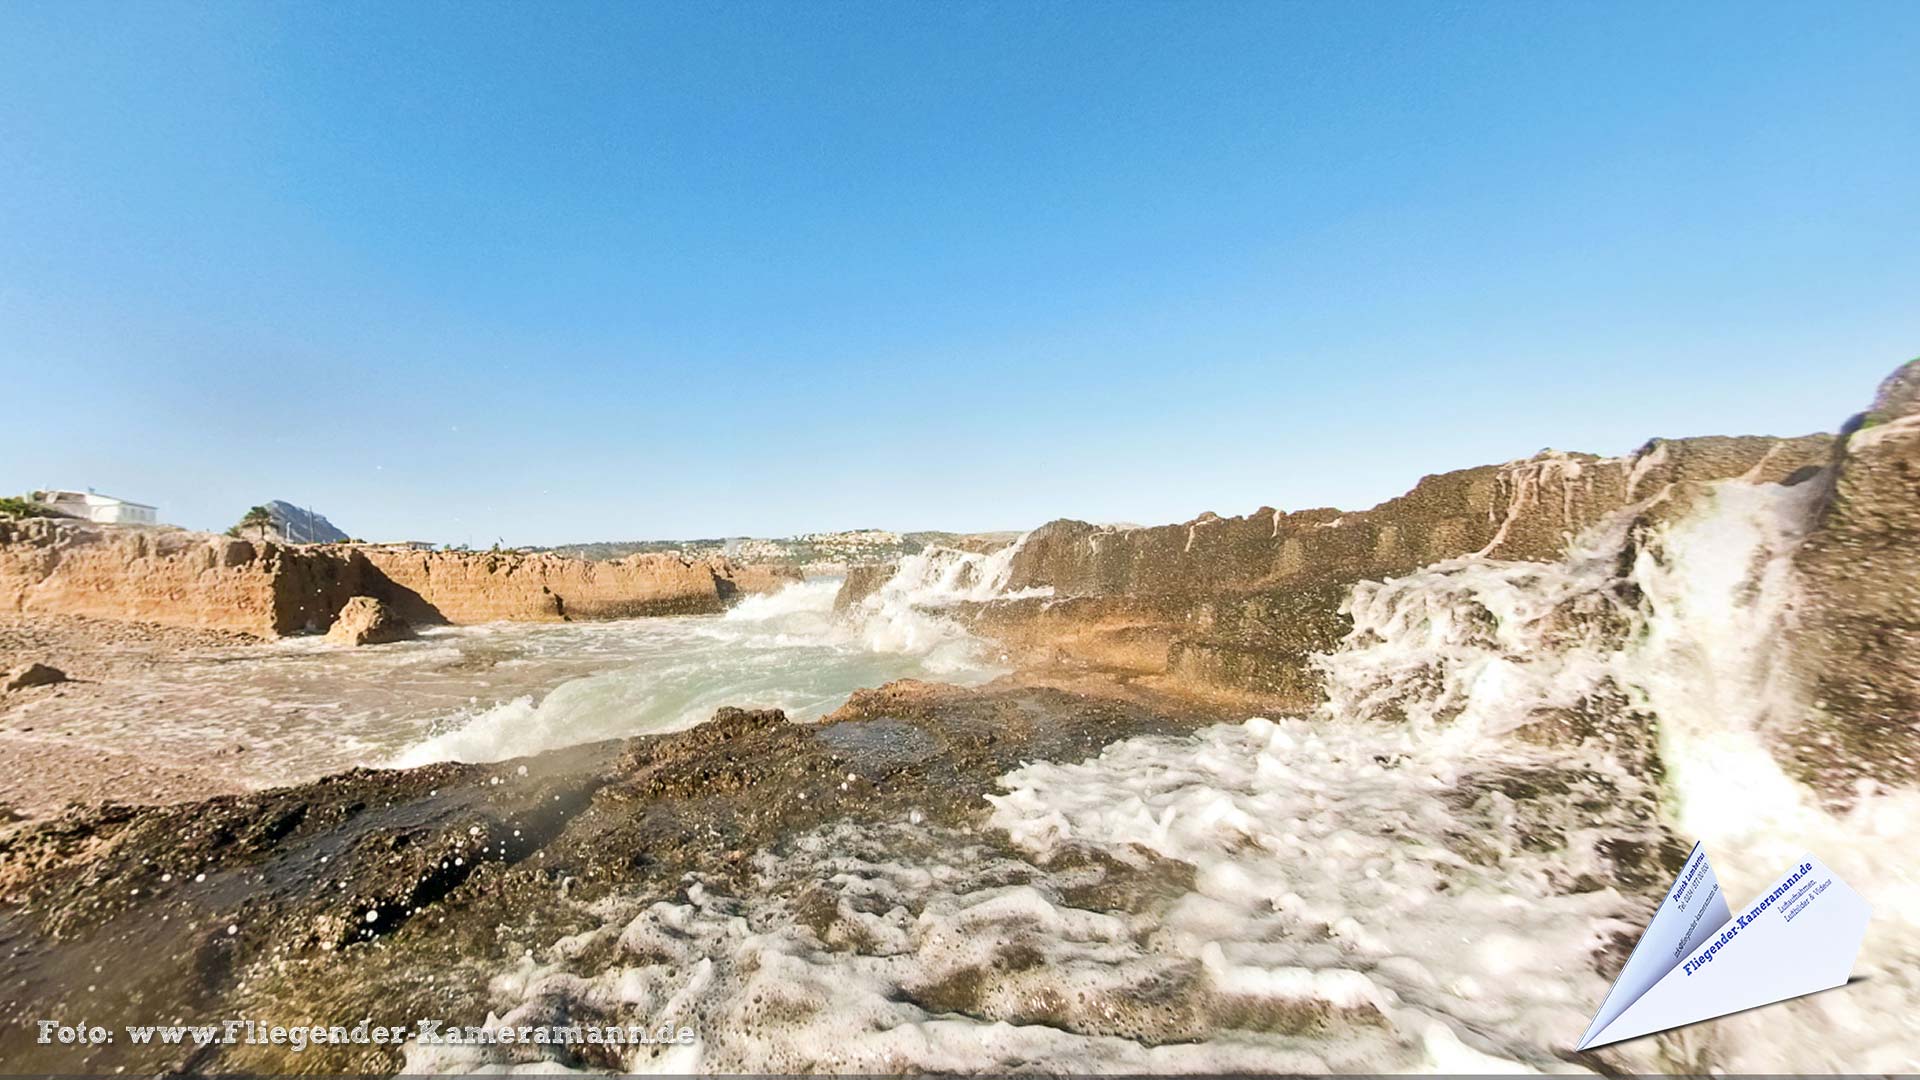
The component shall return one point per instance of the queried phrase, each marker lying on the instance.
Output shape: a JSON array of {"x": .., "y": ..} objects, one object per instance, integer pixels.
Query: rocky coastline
[
  {"x": 1236, "y": 609},
  {"x": 331, "y": 898},
  {"x": 175, "y": 577}
]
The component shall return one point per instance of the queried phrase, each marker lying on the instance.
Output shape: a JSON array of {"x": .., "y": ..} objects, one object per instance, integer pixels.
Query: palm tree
[{"x": 258, "y": 518}]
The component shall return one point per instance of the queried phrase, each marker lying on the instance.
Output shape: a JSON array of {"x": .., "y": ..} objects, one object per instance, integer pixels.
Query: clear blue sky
[{"x": 549, "y": 273}]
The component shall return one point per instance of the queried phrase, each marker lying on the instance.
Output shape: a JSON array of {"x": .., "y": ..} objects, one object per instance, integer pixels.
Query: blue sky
[{"x": 642, "y": 270}]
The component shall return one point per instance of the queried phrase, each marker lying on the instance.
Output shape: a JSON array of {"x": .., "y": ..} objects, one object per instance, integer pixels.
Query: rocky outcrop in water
[
  {"x": 1239, "y": 605},
  {"x": 861, "y": 582},
  {"x": 366, "y": 621},
  {"x": 179, "y": 578},
  {"x": 734, "y": 578}
]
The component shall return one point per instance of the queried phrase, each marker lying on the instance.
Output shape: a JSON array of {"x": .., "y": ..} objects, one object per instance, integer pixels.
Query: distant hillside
[
  {"x": 849, "y": 548},
  {"x": 299, "y": 525}
]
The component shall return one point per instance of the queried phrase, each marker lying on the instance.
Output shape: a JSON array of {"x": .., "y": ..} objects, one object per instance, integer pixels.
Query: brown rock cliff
[
  {"x": 179, "y": 578},
  {"x": 1238, "y": 605}
]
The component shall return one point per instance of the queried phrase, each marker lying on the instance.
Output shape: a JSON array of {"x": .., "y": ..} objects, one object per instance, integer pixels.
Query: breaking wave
[
  {"x": 1430, "y": 873},
  {"x": 787, "y": 649},
  {"x": 906, "y": 613}
]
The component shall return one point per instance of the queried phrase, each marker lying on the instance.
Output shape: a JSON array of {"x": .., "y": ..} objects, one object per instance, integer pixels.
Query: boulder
[
  {"x": 366, "y": 621},
  {"x": 32, "y": 675}
]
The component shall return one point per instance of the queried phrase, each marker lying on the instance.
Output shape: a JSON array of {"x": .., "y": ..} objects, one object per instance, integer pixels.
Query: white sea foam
[
  {"x": 905, "y": 614},
  {"x": 1712, "y": 665},
  {"x": 901, "y": 948},
  {"x": 1399, "y": 882},
  {"x": 1693, "y": 637},
  {"x": 786, "y": 649}
]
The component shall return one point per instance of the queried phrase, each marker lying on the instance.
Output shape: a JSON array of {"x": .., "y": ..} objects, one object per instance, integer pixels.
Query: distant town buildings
[
  {"x": 90, "y": 505},
  {"x": 857, "y": 545},
  {"x": 820, "y": 552},
  {"x": 852, "y": 538}
]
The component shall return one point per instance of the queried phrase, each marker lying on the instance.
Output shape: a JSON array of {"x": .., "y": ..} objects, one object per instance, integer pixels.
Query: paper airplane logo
[{"x": 1696, "y": 960}]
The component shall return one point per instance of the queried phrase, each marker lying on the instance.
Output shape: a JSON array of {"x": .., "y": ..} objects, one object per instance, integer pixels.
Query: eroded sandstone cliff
[
  {"x": 170, "y": 576},
  {"x": 179, "y": 578},
  {"x": 471, "y": 587}
]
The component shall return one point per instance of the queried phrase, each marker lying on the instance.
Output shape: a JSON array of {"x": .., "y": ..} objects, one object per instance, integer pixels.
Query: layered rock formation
[
  {"x": 171, "y": 577},
  {"x": 179, "y": 578},
  {"x": 1238, "y": 605},
  {"x": 471, "y": 587}
]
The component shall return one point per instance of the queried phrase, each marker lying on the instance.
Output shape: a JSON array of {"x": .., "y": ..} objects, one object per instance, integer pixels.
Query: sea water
[
  {"x": 1398, "y": 881},
  {"x": 303, "y": 707}
]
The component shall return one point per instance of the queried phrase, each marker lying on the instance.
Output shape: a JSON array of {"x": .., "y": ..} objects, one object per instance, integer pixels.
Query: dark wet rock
[
  {"x": 461, "y": 866},
  {"x": 336, "y": 900},
  {"x": 34, "y": 674},
  {"x": 1859, "y": 642},
  {"x": 882, "y": 741},
  {"x": 860, "y": 583}
]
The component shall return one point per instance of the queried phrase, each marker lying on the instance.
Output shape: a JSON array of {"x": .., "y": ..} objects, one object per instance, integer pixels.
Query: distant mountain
[{"x": 299, "y": 525}]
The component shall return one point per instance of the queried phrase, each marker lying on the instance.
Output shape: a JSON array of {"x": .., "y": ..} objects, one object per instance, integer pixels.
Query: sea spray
[
  {"x": 1670, "y": 627},
  {"x": 1711, "y": 660},
  {"x": 1286, "y": 895},
  {"x": 1423, "y": 875},
  {"x": 906, "y": 613},
  {"x": 786, "y": 649}
]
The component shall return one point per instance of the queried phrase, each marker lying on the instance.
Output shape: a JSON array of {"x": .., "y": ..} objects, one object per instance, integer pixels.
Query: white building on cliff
[{"x": 93, "y": 506}]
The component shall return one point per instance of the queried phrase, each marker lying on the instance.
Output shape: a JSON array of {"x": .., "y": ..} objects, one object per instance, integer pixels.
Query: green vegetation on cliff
[{"x": 11, "y": 506}]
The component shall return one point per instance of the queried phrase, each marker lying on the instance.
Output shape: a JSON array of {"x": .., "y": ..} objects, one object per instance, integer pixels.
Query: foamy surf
[
  {"x": 786, "y": 649},
  {"x": 1420, "y": 877},
  {"x": 304, "y": 707}
]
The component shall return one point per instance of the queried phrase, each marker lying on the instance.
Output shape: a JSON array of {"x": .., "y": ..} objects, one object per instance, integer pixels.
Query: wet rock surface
[
  {"x": 30, "y": 675},
  {"x": 401, "y": 896},
  {"x": 1859, "y": 644},
  {"x": 861, "y": 582},
  {"x": 1238, "y": 605},
  {"x": 335, "y": 900}
]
